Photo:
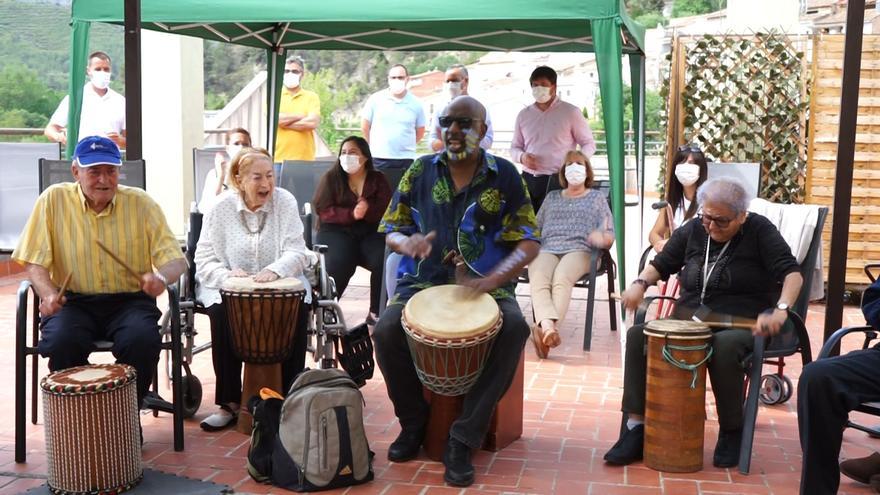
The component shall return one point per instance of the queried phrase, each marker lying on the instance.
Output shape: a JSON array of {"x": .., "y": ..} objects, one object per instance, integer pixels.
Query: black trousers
[
  {"x": 129, "y": 320},
  {"x": 730, "y": 347},
  {"x": 405, "y": 389},
  {"x": 827, "y": 391},
  {"x": 350, "y": 247},
  {"x": 227, "y": 366},
  {"x": 539, "y": 186}
]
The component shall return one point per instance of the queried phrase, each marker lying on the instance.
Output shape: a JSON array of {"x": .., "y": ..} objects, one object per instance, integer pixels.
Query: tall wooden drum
[
  {"x": 92, "y": 429},
  {"x": 675, "y": 407},
  {"x": 262, "y": 319}
]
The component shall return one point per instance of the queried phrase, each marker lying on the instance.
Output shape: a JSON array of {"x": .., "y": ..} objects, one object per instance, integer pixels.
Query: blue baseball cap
[{"x": 97, "y": 150}]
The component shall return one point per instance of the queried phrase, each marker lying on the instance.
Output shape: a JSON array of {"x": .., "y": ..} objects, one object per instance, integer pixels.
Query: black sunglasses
[
  {"x": 691, "y": 148},
  {"x": 720, "y": 222},
  {"x": 463, "y": 122}
]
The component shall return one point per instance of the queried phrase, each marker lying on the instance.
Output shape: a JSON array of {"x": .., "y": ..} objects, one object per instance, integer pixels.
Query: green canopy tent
[{"x": 599, "y": 26}]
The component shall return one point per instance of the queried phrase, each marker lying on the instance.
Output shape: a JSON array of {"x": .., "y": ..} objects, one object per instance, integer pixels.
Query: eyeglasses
[
  {"x": 292, "y": 71},
  {"x": 691, "y": 148},
  {"x": 463, "y": 122},
  {"x": 720, "y": 222}
]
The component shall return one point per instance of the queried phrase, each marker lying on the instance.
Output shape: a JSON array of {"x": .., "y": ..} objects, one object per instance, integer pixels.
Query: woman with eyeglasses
[
  {"x": 350, "y": 200},
  {"x": 733, "y": 265},
  {"x": 689, "y": 172},
  {"x": 575, "y": 223}
]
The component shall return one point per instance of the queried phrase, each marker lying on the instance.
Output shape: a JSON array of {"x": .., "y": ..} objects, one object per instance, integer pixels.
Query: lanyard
[{"x": 707, "y": 272}]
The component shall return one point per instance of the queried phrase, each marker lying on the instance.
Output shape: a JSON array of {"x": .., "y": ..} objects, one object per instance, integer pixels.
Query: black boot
[
  {"x": 727, "y": 449},
  {"x": 407, "y": 444},
  {"x": 630, "y": 447},
  {"x": 457, "y": 459}
]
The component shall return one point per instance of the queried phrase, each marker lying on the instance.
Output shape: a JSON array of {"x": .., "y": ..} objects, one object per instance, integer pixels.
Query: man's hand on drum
[
  {"x": 238, "y": 273},
  {"x": 52, "y": 304},
  {"x": 265, "y": 275},
  {"x": 769, "y": 322},
  {"x": 418, "y": 246}
]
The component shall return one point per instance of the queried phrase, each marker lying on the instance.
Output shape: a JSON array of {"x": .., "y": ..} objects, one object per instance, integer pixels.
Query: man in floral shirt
[{"x": 470, "y": 205}]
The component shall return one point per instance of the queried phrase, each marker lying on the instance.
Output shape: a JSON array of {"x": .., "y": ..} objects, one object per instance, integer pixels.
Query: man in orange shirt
[{"x": 300, "y": 114}]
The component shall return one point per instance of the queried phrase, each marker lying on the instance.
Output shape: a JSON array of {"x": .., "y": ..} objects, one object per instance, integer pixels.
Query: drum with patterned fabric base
[{"x": 92, "y": 429}]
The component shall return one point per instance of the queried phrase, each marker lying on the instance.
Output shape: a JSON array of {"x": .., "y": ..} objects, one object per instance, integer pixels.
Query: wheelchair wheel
[
  {"x": 772, "y": 389},
  {"x": 192, "y": 395},
  {"x": 788, "y": 389}
]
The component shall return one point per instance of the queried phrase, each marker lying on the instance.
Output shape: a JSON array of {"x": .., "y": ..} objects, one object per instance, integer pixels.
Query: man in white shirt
[
  {"x": 393, "y": 123},
  {"x": 456, "y": 85},
  {"x": 103, "y": 110}
]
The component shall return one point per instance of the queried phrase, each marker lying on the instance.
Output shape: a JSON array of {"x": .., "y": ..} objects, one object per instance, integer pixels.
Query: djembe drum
[
  {"x": 92, "y": 429},
  {"x": 262, "y": 320},
  {"x": 450, "y": 334},
  {"x": 675, "y": 399}
]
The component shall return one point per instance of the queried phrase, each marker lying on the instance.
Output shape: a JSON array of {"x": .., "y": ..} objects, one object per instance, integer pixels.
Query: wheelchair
[{"x": 331, "y": 342}]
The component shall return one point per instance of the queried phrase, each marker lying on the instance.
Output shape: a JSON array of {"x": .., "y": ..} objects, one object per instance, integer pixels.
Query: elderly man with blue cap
[{"x": 103, "y": 301}]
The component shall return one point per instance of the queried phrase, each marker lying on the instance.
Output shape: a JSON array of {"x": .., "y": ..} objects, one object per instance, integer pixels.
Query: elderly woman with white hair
[{"x": 731, "y": 264}]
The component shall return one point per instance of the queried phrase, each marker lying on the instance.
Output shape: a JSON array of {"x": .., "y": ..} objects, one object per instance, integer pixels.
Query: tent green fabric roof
[{"x": 599, "y": 26}]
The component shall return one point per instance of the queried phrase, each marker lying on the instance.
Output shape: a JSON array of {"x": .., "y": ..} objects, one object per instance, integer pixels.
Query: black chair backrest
[
  {"x": 393, "y": 175},
  {"x": 301, "y": 177},
  {"x": 132, "y": 174},
  {"x": 809, "y": 263}
]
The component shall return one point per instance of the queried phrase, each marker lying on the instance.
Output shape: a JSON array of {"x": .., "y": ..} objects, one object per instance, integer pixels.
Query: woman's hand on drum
[
  {"x": 769, "y": 322},
  {"x": 238, "y": 273},
  {"x": 266, "y": 275}
]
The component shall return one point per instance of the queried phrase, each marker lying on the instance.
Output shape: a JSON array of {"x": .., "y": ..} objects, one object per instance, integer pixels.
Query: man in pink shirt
[{"x": 544, "y": 132}]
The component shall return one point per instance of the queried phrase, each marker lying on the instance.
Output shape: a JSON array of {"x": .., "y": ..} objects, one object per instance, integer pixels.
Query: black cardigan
[{"x": 746, "y": 280}]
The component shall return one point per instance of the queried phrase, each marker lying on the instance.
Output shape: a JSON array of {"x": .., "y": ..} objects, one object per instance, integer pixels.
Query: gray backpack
[{"x": 321, "y": 442}]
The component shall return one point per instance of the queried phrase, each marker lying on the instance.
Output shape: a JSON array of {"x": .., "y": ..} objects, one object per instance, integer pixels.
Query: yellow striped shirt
[{"x": 61, "y": 232}]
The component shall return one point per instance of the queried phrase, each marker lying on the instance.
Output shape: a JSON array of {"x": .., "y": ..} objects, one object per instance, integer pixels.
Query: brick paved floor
[{"x": 571, "y": 419}]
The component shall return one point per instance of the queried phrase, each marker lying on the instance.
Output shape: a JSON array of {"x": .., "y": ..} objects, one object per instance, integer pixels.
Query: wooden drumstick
[
  {"x": 65, "y": 284},
  {"x": 739, "y": 323},
  {"x": 119, "y": 260}
]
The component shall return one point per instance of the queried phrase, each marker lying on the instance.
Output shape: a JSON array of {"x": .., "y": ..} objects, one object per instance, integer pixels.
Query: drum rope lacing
[{"x": 682, "y": 364}]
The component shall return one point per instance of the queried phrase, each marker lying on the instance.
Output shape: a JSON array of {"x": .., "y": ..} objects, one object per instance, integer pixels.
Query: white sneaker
[{"x": 220, "y": 420}]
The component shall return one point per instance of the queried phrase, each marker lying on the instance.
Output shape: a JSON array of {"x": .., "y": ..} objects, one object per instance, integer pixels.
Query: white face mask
[
  {"x": 397, "y": 86},
  {"x": 453, "y": 89},
  {"x": 350, "y": 163},
  {"x": 232, "y": 150},
  {"x": 575, "y": 173},
  {"x": 541, "y": 94},
  {"x": 291, "y": 80},
  {"x": 100, "y": 79},
  {"x": 687, "y": 173}
]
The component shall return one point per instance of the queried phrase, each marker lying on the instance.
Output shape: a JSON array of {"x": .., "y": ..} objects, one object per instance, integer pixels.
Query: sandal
[
  {"x": 537, "y": 339},
  {"x": 551, "y": 338}
]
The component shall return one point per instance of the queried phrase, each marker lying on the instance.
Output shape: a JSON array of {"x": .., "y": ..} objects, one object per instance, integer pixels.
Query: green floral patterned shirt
[{"x": 483, "y": 221}]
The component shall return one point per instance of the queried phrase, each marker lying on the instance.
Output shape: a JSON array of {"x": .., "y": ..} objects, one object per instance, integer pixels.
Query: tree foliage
[{"x": 684, "y": 8}]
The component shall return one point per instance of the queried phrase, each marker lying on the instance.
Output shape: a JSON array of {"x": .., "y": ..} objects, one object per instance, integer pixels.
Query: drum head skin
[
  {"x": 677, "y": 329},
  {"x": 450, "y": 312},
  {"x": 247, "y": 284},
  {"x": 91, "y": 378}
]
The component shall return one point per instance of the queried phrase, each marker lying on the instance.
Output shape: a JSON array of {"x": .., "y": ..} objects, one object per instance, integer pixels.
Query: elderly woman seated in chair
[
  {"x": 733, "y": 265},
  {"x": 575, "y": 224}
]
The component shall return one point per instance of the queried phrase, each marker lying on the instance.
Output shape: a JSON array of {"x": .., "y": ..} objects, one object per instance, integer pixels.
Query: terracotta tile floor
[{"x": 570, "y": 420}]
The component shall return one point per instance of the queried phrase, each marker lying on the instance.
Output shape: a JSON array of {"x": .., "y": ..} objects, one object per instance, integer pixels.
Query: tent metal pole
[
  {"x": 640, "y": 149},
  {"x": 133, "y": 109},
  {"x": 846, "y": 143}
]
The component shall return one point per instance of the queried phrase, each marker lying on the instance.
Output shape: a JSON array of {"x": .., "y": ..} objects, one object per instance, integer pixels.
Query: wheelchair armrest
[
  {"x": 643, "y": 308},
  {"x": 836, "y": 337}
]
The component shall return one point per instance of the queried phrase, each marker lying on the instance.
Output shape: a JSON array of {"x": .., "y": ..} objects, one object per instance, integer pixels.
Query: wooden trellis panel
[{"x": 864, "y": 230}]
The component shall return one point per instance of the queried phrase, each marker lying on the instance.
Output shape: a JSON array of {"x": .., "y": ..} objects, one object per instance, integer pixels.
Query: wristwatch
[
  {"x": 644, "y": 283},
  {"x": 783, "y": 306}
]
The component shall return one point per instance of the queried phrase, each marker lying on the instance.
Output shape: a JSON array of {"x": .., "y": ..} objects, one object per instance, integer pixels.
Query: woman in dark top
[
  {"x": 350, "y": 200},
  {"x": 750, "y": 273}
]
